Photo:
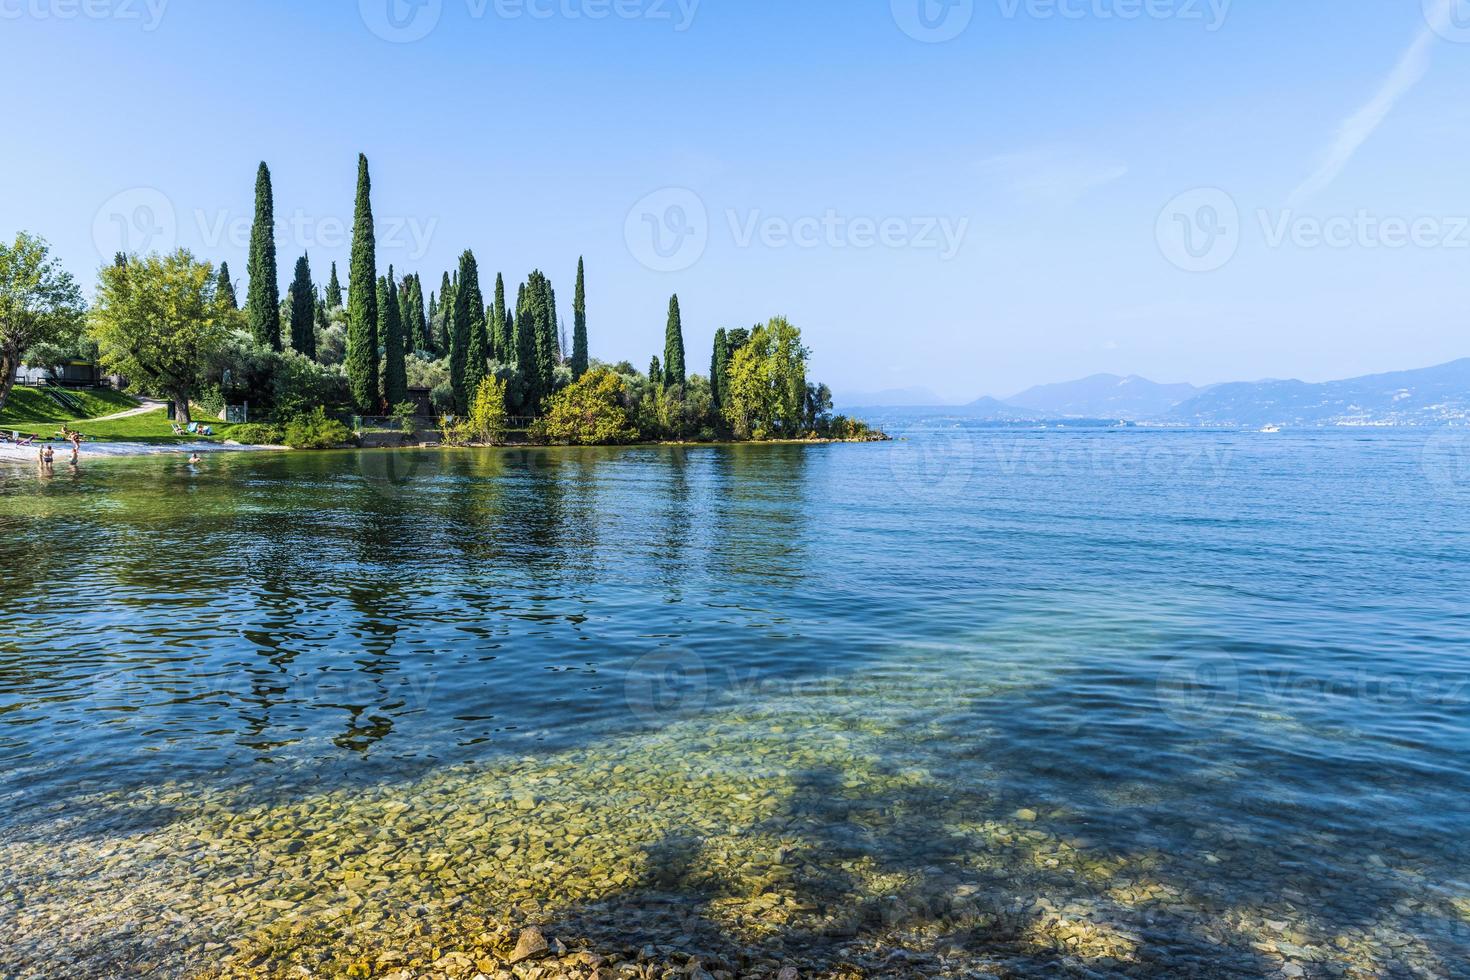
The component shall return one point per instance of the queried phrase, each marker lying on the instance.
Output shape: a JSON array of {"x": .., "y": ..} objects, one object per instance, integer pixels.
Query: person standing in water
[{"x": 75, "y": 438}]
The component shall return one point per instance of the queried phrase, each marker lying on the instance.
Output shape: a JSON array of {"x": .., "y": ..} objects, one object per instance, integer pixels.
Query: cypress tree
[
  {"x": 525, "y": 334},
  {"x": 433, "y": 305},
  {"x": 674, "y": 373},
  {"x": 334, "y": 290},
  {"x": 395, "y": 373},
  {"x": 303, "y": 310},
  {"x": 655, "y": 373},
  {"x": 717, "y": 367},
  {"x": 500, "y": 338},
  {"x": 321, "y": 316},
  {"x": 541, "y": 310},
  {"x": 227, "y": 288},
  {"x": 446, "y": 314},
  {"x": 467, "y": 355},
  {"x": 362, "y": 299},
  {"x": 263, "y": 296},
  {"x": 419, "y": 323},
  {"x": 579, "y": 324}
]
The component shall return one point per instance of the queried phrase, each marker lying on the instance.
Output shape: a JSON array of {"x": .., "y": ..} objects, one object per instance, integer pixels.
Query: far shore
[{"x": 10, "y": 453}]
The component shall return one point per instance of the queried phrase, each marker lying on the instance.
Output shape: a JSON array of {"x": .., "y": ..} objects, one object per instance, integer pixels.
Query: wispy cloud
[
  {"x": 1052, "y": 176},
  {"x": 1358, "y": 127}
]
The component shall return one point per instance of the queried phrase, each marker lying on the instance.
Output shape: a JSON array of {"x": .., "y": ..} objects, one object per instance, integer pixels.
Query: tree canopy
[
  {"x": 40, "y": 303},
  {"x": 158, "y": 320}
]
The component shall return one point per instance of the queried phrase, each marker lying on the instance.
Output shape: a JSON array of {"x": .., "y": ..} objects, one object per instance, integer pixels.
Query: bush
[
  {"x": 258, "y": 434},
  {"x": 316, "y": 431},
  {"x": 588, "y": 412}
]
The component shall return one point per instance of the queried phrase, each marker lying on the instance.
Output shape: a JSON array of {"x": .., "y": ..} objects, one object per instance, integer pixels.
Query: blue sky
[{"x": 1188, "y": 190}]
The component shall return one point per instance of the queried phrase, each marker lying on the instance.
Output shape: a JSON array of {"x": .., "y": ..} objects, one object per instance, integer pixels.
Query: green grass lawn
[
  {"x": 33, "y": 407},
  {"x": 151, "y": 427},
  {"x": 31, "y": 411}
]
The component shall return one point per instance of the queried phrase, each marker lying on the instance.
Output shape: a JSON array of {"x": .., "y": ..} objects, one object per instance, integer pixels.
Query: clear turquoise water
[{"x": 1193, "y": 645}]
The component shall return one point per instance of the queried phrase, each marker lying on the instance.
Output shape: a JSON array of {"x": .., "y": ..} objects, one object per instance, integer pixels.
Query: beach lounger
[
  {"x": 178, "y": 429},
  {"x": 193, "y": 428}
]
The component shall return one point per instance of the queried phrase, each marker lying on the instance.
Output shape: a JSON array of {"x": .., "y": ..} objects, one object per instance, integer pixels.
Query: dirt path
[{"x": 148, "y": 405}]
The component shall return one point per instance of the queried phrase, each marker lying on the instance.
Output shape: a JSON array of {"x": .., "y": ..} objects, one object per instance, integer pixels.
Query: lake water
[{"x": 1160, "y": 702}]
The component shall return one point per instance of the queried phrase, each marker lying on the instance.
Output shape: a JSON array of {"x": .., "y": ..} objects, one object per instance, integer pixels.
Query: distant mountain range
[
  {"x": 1426, "y": 396},
  {"x": 1105, "y": 396}
]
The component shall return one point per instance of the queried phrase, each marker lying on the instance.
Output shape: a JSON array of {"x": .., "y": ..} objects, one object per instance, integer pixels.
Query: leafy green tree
[
  {"x": 588, "y": 412},
  {"x": 263, "y": 295},
  {"x": 303, "y": 309},
  {"x": 765, "y": 391},
  {"x": 467, "y": 355},
  {"x": 395, "y": 374},
  {"x": 487, "y": 422},
  {"x": 362, "y": 299},
  {"x": 334, "y": 290},
  {"x": 674, "y": 371},
  {"x": 226, "y": 286},
  {"x": 579, "y": 324},
  {"x": 40, "y": 303},
  {"x": 158, "y": 321},
  {"x": 719, "y": 364}
]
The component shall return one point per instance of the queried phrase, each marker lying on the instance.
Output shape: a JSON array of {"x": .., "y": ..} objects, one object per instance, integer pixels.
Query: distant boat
[{"x": 1272, "y": 429}]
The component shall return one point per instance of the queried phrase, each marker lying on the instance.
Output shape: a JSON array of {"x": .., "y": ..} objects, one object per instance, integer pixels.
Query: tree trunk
[
  {"x": 8, "y": 363},
  {"x": 181, "y": 409}
]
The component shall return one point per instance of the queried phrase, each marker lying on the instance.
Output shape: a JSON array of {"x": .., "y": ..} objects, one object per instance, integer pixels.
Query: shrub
[
  {"x": 316, "y": 431},
  {"x": 588, "y": 412},
  {"x": 258, "y": 434}
]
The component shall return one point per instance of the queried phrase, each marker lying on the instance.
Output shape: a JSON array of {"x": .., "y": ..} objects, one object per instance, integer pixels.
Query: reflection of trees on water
[{"x": 761, "y": 514}]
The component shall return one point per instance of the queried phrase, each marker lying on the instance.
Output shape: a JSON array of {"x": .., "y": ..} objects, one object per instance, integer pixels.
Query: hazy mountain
[
  {"x": 1105, "y": 396},
  {"x": 1427, "y": 396},
  {"x": 889, "y": 398}
]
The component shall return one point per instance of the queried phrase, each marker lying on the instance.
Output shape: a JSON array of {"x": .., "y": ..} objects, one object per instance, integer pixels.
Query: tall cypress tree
[
  {"x": 527, "y": 377},
  {"x": 226, "y": 288},
  {"x": 334, "y": 290},
  {"x": 420, "y": 322},
  {"x": 717, "y": 367},
  {"x": 655, "y": 373},
  {"x": 674, "y": 373},
  {"x": 579, "y": 324},
  {"x": 395, "y": 373},
  {"x": 303, "y": 309},
  {"x": 263, "y": 297},
  {"x": 541, "y": 311},
  {"x": 467, "y": 355},
  {"x": 500, "y": 339},
  {"x": 445, "y": 340},
  {"x": 362, "y": 300}
]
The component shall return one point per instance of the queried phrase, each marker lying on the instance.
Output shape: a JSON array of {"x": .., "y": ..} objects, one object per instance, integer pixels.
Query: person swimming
[{"x": 195, "y": 460}]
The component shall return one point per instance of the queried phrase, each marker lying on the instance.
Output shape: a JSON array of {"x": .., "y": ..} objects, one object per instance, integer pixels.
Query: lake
[{"x": 1165, "y": 702}]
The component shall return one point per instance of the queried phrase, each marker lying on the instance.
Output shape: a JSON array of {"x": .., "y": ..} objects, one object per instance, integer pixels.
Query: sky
[{"x": 970, "y": 196}]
